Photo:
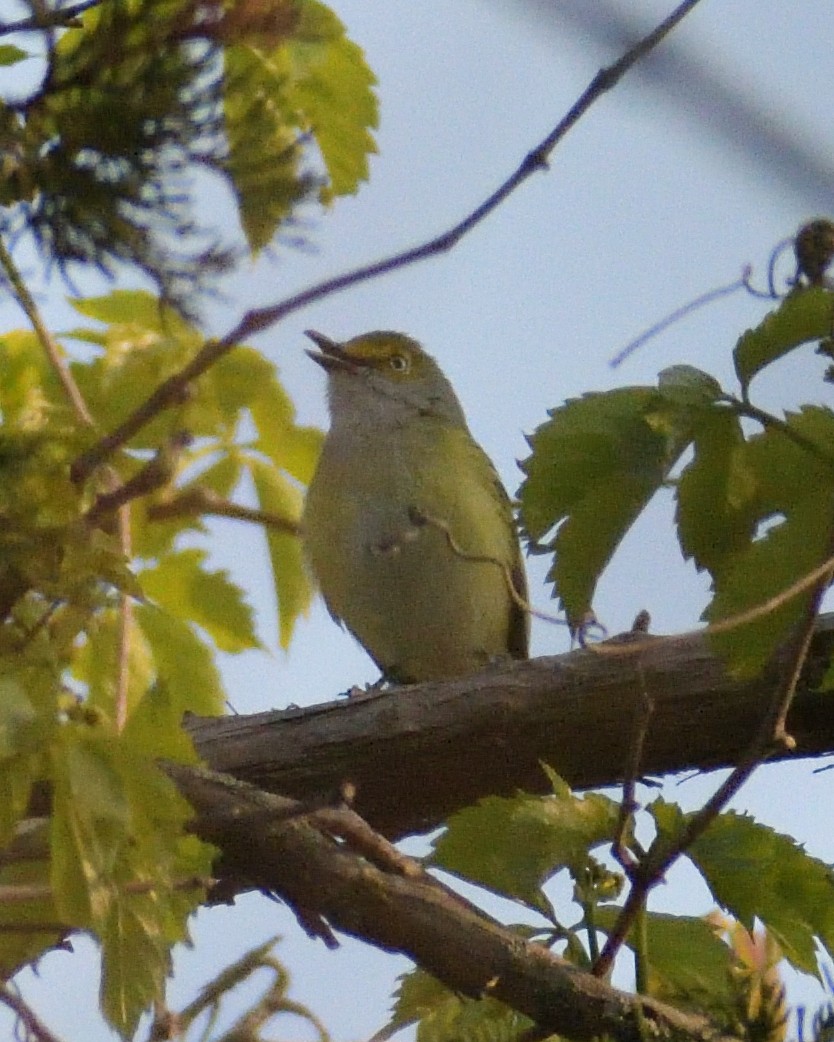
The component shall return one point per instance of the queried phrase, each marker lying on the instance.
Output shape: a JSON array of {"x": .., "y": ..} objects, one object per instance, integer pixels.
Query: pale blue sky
[{"x": 650, "y": 201}]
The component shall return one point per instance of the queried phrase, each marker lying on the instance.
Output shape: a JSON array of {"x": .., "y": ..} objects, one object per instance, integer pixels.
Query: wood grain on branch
[{"x": 417, "y": 754}]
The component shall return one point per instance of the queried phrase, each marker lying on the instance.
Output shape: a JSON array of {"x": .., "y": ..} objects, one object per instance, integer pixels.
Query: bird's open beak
[{"x": 330, "y": 355}]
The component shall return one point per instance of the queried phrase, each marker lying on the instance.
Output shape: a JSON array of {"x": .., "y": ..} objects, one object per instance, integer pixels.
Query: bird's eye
[{"x": 399, "y": 363}]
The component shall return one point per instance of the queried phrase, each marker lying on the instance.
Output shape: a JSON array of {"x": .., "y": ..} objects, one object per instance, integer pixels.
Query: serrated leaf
[
  {"x": 804, "y": 315},
  {"x": 135, "y": 962},
  {"x": 293, "y": 588},
  {"x": 333, "y": 89},
  {"x": 717, "y": 493},
  {"x": 794, "y": 486},
  {"x": 264, "y": 155},
  {"x": 756, "y": 872},
  {"x": 181, "y": 584},
  {"x": 687, "y": 964},
  {"x": 184, "y": 664},
  {"x": 96, "y": 663},
  {"x": 513, "y": 845},
  {"x": 595, "y": 465},
  {"x": 89, "y": 820},
  {"x": 134, "y": 309},
  {"x": 442, "y": 1015},
  {"x": 154, "y": 728}
]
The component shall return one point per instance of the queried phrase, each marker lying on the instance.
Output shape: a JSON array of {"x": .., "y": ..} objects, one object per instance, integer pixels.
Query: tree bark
[
  {"x": 412, "y": 913},
  {"x": 416, "y": 754}
]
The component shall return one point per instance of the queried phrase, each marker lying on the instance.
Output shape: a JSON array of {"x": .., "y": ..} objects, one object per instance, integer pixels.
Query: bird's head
[{"x": 384, "y": 375}]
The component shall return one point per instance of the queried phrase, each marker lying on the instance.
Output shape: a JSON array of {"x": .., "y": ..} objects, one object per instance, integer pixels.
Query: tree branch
[
  {"x": 257, "y": 320},
  {"x": 416, "y": 754},
  {"x": 419, "y": 917}
]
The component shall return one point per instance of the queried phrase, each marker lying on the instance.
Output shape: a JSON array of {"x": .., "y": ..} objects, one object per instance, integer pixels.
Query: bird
[{"x": 407, "y": 528}]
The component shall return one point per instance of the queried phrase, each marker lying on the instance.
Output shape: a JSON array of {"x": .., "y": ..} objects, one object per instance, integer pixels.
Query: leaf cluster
[
  {"x": 99, "y": 161},
  {"x": 777, "y": 901},
  {"x": 752, "y": 491},
  {"x": 115, "y": 854}
]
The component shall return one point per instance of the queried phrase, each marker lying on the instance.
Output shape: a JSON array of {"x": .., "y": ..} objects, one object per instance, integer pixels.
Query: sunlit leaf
[
  {"x": 182, "y": 585},
  {"x": 184, "y": 664},
  {"x": 514, "y": 844},
  {"x": 293, "y": 588}
]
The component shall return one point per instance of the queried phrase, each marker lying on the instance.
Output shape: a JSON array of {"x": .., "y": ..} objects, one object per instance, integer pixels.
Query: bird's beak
[{"x": 330, "y": 355}]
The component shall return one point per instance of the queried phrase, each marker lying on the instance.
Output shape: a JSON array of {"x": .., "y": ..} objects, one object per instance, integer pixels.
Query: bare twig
[
  {"x": 628, "y": 804},
  {"x": 50, "y": 346},
  {"x": 678, "y": 314},
  {"x": 34, "y": 1025},
  {"x": 125, "y": 626},
  {"x": 259, "y": 319},
  {"x": 198, "y": 500},
  {"x": 156, "y": 473}
]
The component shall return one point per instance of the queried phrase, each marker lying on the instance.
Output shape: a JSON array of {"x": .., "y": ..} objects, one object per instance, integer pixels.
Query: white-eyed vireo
[{"x": 408, "y": 529}]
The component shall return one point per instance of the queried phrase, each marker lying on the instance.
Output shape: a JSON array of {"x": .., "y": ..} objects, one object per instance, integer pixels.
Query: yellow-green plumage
[{"x": 402, "y": 499}]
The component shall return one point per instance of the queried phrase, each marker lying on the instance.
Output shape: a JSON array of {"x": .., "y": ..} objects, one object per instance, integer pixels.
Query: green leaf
[
  {"x": 333, "y": 90},
  {"x": 595, "y": 465},
  {"x": 182, "y": 586},
  {"x": 716, "y": 493},
  {"x": 513, "y": 845},
  {"x": 293, "y": 588},
  {"x": 794, "y": 486},
  {"x": 11, "y": 55},
  {"x": 184, "y": 664},
  {"x": 96, "y": 663},
  {"x": 19, "y": 731},
  {"x": 444, "y": 1016},
  {"x": 90, "y": 817},
  {"x": 264, "y": 152},
  {"x": 22, "y": 936},
  {"x": 755, "y": 872},
  {"x": 688, "y": 965},
  {"x": 804, "y": 315},
  {"x": 154, "y": 728}
]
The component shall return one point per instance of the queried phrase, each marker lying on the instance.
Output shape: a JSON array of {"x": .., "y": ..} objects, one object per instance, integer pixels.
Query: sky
[{"x": 692, "y": 168}]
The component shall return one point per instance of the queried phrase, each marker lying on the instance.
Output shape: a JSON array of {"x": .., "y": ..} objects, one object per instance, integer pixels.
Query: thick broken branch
[
  {"x": 417, "y": 754},
  {"x": 419, "y": 917}
]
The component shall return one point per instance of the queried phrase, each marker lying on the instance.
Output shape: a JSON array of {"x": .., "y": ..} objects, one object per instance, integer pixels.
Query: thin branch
[
  {"x": 626, "y": 649},
  {"x": 770, "y": 735},
  {"x": 156, "y": 473},
  {"x": 125, "y": 625},
  {"x": 771, "y": 422},
  {"x": 629, "y": 804},
  {"x": 199, "y": 500},
  {"x": 34, "y": 1025},
  {"x": 64, "y": 17},
  {"x": 51, "y": 348},
  {"x": 259, "y": 319},
  {"x": 675, "y": 316},
  {"x": 420, "y": 917},
  {"x": 18, "y": 893}
]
